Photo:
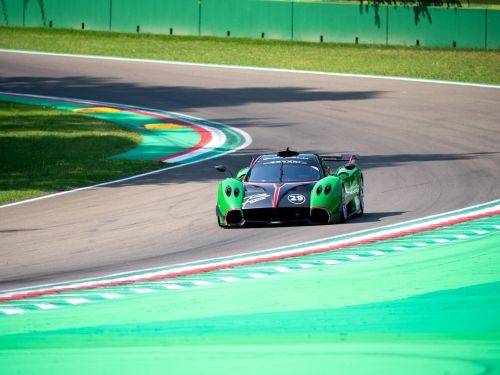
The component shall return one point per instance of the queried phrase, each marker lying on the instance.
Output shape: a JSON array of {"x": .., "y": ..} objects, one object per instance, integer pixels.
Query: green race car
[{"x": 289, "y": 187}]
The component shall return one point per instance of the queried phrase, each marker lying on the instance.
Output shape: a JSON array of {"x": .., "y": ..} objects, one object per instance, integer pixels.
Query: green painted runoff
[{"x": 427, "y": 311}]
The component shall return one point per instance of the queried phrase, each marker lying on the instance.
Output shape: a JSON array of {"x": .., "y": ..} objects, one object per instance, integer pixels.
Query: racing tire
[
  {"x": 343, "y": 207},
  {"x": 220, "y": 222},
  {"x": 361, "y": 199}
]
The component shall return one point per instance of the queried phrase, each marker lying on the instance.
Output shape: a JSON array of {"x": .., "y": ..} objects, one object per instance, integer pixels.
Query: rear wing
[{"x": 348, "y": 158}]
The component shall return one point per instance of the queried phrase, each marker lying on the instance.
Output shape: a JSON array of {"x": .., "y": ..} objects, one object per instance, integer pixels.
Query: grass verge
[
  {"x": 479, "y": 66},
  {"x": 44, "y": 150}
]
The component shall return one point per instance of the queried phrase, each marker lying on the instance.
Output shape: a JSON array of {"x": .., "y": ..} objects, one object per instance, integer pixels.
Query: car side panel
[
  {"x": 352, "y": 179},
  {"x": 229, "y": 195},
  {"x": 327, "y": 194}
]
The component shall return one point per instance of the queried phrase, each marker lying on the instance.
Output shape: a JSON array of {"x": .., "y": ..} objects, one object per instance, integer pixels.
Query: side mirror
[{"x": 223, "y": 168}]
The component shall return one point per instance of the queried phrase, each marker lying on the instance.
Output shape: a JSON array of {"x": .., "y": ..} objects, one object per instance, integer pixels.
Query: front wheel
[
  {"x": 220, "y": 222},
  {"x": 343, "y": 207},
  {"x": 361, "y": 199}
]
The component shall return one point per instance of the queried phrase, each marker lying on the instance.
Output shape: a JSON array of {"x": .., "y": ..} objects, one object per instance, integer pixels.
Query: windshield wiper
[{"x": 281, "y": 172}]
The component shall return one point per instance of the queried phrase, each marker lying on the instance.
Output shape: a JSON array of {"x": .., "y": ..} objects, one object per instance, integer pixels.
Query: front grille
[
  {"x": 276, "y": 214},
  {"x": 233, "y": 217},
  {"x": 320, "y": 215}
]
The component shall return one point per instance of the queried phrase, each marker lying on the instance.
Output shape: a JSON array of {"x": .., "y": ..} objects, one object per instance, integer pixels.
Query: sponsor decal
[
  {"x": 255, "y": 198},
  {"x": 296, "y": 198},
  {"x": 284, "y": 162}
]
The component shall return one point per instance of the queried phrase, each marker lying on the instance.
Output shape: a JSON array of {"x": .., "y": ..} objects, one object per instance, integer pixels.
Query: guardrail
[{"x": 262, "y": 19}]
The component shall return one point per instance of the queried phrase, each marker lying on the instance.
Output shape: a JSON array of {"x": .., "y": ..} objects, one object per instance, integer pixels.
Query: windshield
[{"x": 284, "y": 170}]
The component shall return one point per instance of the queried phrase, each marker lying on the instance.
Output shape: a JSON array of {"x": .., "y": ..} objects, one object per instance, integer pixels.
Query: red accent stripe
[
  {"x": 245, "y": 262},
  {"x": 277, "y": 188}
]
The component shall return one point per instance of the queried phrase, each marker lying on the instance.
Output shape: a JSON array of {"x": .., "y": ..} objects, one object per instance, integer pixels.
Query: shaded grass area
[
  {"x": 44, "y": 150},
  {"x": 478, "y": 66}
]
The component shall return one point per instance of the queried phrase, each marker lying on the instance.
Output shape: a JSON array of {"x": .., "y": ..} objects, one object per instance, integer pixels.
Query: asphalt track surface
[{"x": 426, "y": 148}]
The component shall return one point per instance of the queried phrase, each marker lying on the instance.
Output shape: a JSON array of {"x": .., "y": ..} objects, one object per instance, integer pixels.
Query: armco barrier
[{"x": 283, "y": 20}]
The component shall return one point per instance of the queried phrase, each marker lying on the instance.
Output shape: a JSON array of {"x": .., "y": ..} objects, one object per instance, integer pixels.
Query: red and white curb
[{"x": 434, "y": 231}]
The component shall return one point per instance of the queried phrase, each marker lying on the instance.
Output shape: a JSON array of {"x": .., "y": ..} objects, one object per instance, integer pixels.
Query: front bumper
[{"x": 276, "y": 216}]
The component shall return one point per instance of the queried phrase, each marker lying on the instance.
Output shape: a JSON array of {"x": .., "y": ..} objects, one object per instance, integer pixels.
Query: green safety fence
[
  {"x": 341, "y": 23},
  {"x": 435, "y": 27},
  {"x": 179, "y": 17},
  {"x": 88, "y": 14},
  {"x": 281, "y": 20},
  {"x": 12, "y": 13},
  {"x": 247, "y": 18},
  {"x": 492, "y": 29}
]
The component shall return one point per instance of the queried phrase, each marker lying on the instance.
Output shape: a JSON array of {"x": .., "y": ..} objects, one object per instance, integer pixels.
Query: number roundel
[{"x": 296, "y": 198}]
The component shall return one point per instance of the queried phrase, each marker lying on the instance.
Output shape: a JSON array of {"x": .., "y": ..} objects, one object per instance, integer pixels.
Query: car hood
[{"x": 277, "y": 195}]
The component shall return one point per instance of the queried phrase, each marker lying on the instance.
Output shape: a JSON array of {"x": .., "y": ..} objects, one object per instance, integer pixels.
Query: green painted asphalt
[{"x": 433, "y": 310}]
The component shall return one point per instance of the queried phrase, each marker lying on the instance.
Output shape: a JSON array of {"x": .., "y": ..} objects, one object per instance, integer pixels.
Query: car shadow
[{"x": 367, "y": 217}]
